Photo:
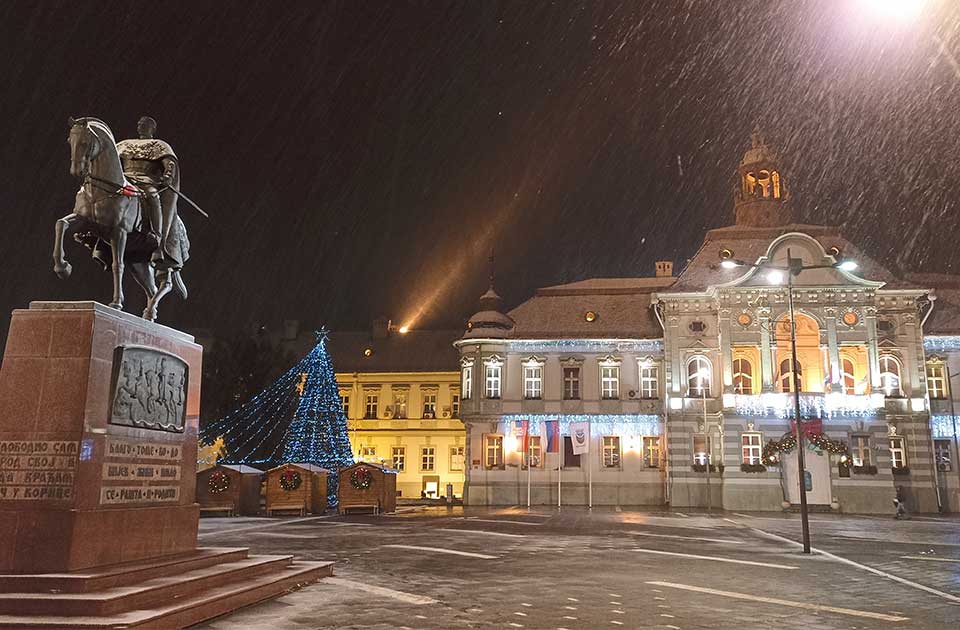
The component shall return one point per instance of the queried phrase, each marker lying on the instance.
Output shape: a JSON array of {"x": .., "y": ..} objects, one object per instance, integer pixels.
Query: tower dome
[
  {"x": 761, "y": 199},
  {"x": 489, "y": 322}
]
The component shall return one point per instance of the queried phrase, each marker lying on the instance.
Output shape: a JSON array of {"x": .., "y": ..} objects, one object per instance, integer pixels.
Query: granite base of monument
[{"x": 98, "y": 438}]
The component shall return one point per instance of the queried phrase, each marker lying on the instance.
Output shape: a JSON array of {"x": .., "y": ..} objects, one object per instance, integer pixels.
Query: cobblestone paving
[{"x": 579, "y": 569}]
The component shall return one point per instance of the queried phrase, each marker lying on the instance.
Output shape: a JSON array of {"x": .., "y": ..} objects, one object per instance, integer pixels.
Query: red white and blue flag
[
  {"x": 552, "y": 430},
  {"x": 521, "y": 430}
]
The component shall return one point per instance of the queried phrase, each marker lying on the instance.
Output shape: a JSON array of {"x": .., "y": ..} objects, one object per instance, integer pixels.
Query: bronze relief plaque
[{"x": 149, "y": 389}]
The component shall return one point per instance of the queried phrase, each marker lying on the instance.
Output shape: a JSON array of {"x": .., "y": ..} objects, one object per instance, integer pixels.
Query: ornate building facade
[{"x": 686, "y": 382}]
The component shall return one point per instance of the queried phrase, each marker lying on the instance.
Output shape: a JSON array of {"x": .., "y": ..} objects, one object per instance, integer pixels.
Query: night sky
[{"x": 361, "y": 158}]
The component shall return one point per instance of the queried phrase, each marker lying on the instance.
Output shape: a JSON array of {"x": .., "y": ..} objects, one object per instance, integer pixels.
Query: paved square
[{"x": 605, "y": 568}]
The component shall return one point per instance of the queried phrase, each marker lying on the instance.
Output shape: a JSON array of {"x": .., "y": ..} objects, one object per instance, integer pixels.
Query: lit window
[
  {"x": 651, "y": 451},
  {"x": 399, "y": 403},
  {"x": 936, "y": 382},
  {"x": 742, "y": 376},
  {"x": 429, "y": 404},
  {"x": 371, "y": 408},
  {"x": 533, "y": 380},
  {"x": 701, "y": 451},
  {"x": 345, "y": 400},
  {"x": 493, "y": 378},
  {"x": 368, "y": 453},
  {"x": 466, "y": 381},
  {"x": 649, "y": 381},
  {"x": 847, "y": 380},
  {"x": 611, "y": 451},
  {"x": 609, "y": 382},
  {"x": 536, "y": 451},
  {"x": 751, "y": 447},
  {"x": 786, "y": 375},
  {"x": 898, "y": 452},
  {"x": 457, "y": 459},
  {"x": 699, "y": 375},
  {"x": 455, "y": 405},
  {"x": 571, "y": 383},
  {"x": 861, "y": 450},
  {"x": 890, "y": 376},
  {"x": 399, "y": 457},
  {"x": 942, "y": 455},
  {"x": 493, "y": 451},
  {"x": 427, "y": 458}
]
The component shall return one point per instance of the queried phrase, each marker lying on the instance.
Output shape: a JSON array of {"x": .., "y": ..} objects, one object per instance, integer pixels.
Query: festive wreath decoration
[
  {"x": 819, "y": 441},
  {"x": 361, "y": 478},
  {"x": 218, "y": 482},
  {"x": 290, "y": 480}
]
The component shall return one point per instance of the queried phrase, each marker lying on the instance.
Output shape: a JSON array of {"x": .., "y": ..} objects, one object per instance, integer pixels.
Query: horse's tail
[{"x": 179, "y": 285}]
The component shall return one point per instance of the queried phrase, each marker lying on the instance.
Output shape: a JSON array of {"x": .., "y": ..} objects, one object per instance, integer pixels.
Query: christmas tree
[{"x": 298, "y": 419}]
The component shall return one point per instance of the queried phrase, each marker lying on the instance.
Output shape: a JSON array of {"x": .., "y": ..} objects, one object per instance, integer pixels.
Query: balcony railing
[{"x": 814, "y": 405}]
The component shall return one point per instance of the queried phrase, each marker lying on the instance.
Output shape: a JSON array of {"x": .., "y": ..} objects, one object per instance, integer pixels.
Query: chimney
[
  {"x": 664, "y": 268},
  {"x": 381, "y": 328}
]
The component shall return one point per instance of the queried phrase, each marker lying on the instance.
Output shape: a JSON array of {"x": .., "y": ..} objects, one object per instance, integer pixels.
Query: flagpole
[
  {"x": 529, "y": 466},
  {"x": 560, "y": 451},
  {"x": 590, "y": 464}
]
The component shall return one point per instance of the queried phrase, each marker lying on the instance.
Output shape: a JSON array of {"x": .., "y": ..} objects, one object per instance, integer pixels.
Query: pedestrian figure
[{"x": 901, "y": 506}]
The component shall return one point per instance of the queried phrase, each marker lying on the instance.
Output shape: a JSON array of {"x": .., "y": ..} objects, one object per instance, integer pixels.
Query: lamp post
[
  {"x": 775, "y": 276},
  {"x": 702, "y": 376}
]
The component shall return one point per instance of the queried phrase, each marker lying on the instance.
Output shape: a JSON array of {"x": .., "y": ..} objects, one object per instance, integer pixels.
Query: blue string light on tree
[{"x": 297, "y": 419}]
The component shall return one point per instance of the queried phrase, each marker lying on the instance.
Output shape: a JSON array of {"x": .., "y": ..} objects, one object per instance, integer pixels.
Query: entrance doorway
[
  {"x": 817, "y": 465},
  {"x": 431, "y": 486}
]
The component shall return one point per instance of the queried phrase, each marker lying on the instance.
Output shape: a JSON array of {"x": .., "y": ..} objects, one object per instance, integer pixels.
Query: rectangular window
[
  {"x": 569, "y": 459},
  {"x": 610, "y": 382},
  {"x": 400, "y": 403},
  {"x": 536, "y": 451},
  {"x": 898, "y": 452},
  {"x": 345, "y": 400},
  {"x": 427, "y": 458},
  {"x": 701, "y": 451},
  {"x": 611, "y": 451},
  {"x": 493, "y": 451},
  {"x": 533, "y": 382},
  {"x": 936, "y": 382},
  {"x": 492, "y": 381},
  {"x": 942, "y": 455},
  {"x": 457, "y": 459},
  {"x": 466, "y": 381},
  {"x": 429, "y": 404},
  {"x": 455, "y": 405},
  {"x": 399, "y": 457},
  {"x": 371, "y": 410},
  {"x": 368, "y": 453},
  {"x": 651, "y": 451},
  {"x": 861, "y": 450},
  {"x": 751, "y": 446},
  {"x": 649, "y": 382},
  {"x": 571, "y": 383}
]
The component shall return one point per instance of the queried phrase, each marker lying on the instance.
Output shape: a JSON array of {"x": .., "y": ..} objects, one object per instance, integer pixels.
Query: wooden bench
[
  {"x": 218, "y": 509},
  {"x": 359, "y": 506},
  {"x": 301, "y": 508}
]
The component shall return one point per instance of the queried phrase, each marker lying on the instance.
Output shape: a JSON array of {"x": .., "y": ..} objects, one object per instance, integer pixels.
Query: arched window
[
  {"x": 786, "y": 375},
  {"x": 742, "y": 376},
  {"x": 847, "y": 381},
  {"x": 699, "y": 375},
  {"x": 890, "y": 375}
]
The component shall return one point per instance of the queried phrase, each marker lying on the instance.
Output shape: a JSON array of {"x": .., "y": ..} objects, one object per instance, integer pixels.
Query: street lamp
[{"x": 775, "y": 275}]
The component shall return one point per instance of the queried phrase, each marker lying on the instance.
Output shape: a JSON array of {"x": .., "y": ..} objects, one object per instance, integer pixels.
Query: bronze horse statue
[{"x": 107, "y": 218}]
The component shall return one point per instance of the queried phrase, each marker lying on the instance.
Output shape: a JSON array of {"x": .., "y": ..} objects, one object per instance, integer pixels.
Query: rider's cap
[{"x": 148, "y": 120}]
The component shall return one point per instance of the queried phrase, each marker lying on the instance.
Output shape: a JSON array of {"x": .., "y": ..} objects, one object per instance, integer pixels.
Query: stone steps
[{"x": 174, "y": 600}]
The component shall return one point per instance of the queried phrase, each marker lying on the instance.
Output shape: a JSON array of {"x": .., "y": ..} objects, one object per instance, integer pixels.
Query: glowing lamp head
[
  {"x": 368, "y": 352},
  {"x": 729, "y": 264},
  {"x": 848, "y": 265},
  {"x": 895, "y": 9},
  {"x": 775, "y": 277},
  {"x": 403, "y": 330}
]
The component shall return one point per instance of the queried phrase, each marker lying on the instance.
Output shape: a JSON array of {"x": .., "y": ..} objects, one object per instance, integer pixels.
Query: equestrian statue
[{"x": 126, "y": 209}]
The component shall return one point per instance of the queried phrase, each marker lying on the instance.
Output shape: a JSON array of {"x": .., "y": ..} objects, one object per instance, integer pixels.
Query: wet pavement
[{"x": 605, "y": 568}]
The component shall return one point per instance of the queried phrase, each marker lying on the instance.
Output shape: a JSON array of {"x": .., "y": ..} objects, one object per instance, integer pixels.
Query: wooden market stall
[
  {"x": 369, "y": 487},
  {"x": 298, "y": 488},
  {"x": 230, "y": 489}
]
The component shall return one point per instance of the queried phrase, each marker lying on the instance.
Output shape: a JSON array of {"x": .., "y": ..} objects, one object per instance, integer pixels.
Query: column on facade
[
  {"x": 726, "y": 350},
  {"x": 910, "y": 379},
  {"x": 872, "y": 355},
  {"x": 833, "y": 347},
  {"x": 766, "y": 363}
]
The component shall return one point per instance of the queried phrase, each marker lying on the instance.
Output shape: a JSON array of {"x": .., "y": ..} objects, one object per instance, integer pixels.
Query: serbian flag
[
  {"x": 521, "y": 430},
  {"x": 551, "y": 429}
]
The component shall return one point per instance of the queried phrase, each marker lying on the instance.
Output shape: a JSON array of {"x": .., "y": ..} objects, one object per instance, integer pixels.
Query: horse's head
[{"x": 84, "y": 147}]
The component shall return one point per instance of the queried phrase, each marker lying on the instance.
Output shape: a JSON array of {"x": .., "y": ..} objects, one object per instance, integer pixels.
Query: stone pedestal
[{"x": 98, "y": 439}]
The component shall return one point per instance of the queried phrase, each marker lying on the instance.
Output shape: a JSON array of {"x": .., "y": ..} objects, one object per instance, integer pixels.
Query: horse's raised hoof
[
  {"x": 117, "y": 305},
  {"x": 150, "y": 315},
  {"x": 63, "y": 271}
]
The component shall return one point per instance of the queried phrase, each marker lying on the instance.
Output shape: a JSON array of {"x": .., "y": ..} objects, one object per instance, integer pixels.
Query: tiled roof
[
  {"x": 945, "y": 318},
  {"x": 622, "y": 308},
  {"x": 749, "y": 244}
]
